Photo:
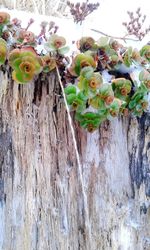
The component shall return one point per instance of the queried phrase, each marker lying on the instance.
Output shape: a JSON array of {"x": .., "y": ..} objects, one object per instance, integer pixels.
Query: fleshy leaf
[
  {"x": 70, "y": 98},
  {"x": 87, "y": 72},
  {"x": 103, "y": 41},
  {"x": 63, "y": 50},
  {"x": 70, "y": 90}
]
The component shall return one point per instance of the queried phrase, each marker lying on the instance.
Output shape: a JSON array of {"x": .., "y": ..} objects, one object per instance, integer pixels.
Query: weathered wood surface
[
  {"x": 43, "y": 7},
  {"x": 41, "y": 200}
]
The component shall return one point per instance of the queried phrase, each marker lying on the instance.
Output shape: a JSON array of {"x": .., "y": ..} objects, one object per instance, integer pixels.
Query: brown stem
[{"x": 116, "y": 37}]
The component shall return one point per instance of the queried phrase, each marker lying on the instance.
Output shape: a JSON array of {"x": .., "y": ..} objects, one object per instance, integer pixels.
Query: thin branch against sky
[{"x": 108, "y": 18}]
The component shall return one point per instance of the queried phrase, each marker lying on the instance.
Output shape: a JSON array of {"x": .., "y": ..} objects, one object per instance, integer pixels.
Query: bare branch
[{"x": 116, "y": 37}]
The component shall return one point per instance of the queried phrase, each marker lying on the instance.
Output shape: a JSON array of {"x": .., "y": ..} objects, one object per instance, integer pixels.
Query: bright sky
[
  {"x": 108, "y": 18},
  {"x": 111, "y": 13}
]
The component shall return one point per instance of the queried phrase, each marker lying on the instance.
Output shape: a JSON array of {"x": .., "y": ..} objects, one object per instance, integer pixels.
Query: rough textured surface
[
  {"x": 44, "y": 7},
  {"x": 41, "y": 200}
]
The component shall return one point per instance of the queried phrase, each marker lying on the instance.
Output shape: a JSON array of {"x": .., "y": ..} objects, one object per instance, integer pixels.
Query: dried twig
[
  {"x": 81, "y": 11},
  {"x": 133, "y": 27},
  {"x": 116, "y": 37},
  {"x": 135, "y": 24}
]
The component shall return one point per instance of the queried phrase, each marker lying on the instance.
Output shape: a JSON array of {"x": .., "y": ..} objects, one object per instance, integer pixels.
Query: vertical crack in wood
[
  {"x": 6, "y": 161},
  {"x": 39, "y": 184},
  {"x": 139, "y": 159}
]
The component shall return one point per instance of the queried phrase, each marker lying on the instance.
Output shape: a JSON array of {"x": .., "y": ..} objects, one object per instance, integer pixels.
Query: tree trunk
[{"x": 42, "y": 202}]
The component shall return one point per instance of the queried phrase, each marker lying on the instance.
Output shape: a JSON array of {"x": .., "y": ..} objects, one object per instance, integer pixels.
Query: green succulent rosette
[
  {"x": 114, "y": 108},
  {"x": 86, "y": 43},
  {"x": 121, "y": 88},
  {"x": 56, "y": 44},
  {"x": 4, "y": 18},
  {"x": 145, "y": 52},
  {"x": 144, "y": 77},
  {"x": 76, "y": 100},
  {"x": 103, "y": 98},
  {"x": 89, "y": 81},
  {"x": 139, "y": 101},
  {"x": 106, "y": 94},
  {"x": 81, "y": 61},
  {"x": 3, "y": 51},
  {"x": 89, "y": 120},
  {"x": 48, "y": 62},
  {"x": 25, "y": 64},
  {"x": 127, "y": 57}
]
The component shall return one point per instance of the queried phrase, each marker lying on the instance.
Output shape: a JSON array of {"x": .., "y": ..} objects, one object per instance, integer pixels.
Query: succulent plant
[
  {"x": 49, "y": 63},
  {"x": 145, "y": 52},
  {"x": 121, "y": 88},
  {"x": 114, "y": 44},
  {"x": 81, "y": 61},
  {"x": 136, "y": 56},
  {"x": 90, "y": 91},
  {"x": 106, "y": 94},
  {"x": 56, "y": 44},
  {"x": 85, "y": 43},
  {"x": 138, "y": 103},
  {"x": 124, "y": 109},
  {"x": 114, "y": 108},
  {"x": 89, "y": 81},
  {"x": 103, "y": 42},
  {"x": 25, "y": 64},
  {"x": 77, "y": 101},
  {"x": 26, "y": 36},
  {"x": 3, "y": 51},
  {"x": 107, "y": 53},
  {"x": 144, "y": 77},
  {"x": 103, "y": 99},
  {"x": 4, "y": 18},
  {"x": 127, "y": 57},
  {"x": 89, "y": 120}
]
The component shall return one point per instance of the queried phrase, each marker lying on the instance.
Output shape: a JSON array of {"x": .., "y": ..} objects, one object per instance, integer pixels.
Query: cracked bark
[{"x": 41, "y": 203}]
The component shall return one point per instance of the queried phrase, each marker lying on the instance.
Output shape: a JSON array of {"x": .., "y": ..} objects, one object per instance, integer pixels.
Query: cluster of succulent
[
  {"x": 135, "y": 25},
  {"x": 4, "y": 20},
  {"x": 92, "y": 97},
  {"x": 3, "y": 51},
  {"x": 25, "y": 64},
  {"x": 80, "y": 11},
  {"x": 18, "y": 46},
  {"x": 110, "y": 54}
]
